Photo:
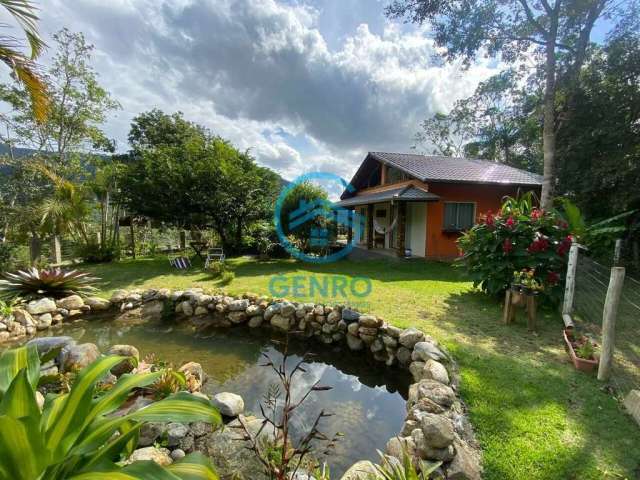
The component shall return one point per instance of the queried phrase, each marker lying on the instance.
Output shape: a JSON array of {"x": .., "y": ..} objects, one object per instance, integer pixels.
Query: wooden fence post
[
  {"x": 616, "y": 282},
  {"x": 570, "y": 285},
  {"x": 617, "y": 253}
]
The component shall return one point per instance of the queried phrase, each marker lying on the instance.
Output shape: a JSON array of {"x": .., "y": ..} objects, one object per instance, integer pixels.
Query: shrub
[
  {"x": 95, "y": 253},
  {"x": 74, "y": 435},
  {"x": 227, "y": 277},
  {"x": 520, "y": 237},
  {"x": 54, "y": 282},
  {"x": 6, "y": 256}
]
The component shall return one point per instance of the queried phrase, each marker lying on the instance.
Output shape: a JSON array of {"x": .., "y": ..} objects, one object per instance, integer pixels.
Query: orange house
[{"x": 419, "y": 205}]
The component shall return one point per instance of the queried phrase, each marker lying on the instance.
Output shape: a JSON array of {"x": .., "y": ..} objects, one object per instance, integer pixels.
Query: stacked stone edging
[{"x": 436, "y": 427}]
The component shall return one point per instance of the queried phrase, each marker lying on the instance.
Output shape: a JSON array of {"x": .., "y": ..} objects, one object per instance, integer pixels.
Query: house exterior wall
[{"x": 441, "y": 244}]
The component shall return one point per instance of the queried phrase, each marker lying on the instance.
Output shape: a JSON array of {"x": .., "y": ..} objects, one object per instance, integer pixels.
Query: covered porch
[{"x": 395, "y": 220}]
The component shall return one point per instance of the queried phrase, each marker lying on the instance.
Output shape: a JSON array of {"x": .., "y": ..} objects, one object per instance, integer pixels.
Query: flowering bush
[{"x": 519, "y": 237}]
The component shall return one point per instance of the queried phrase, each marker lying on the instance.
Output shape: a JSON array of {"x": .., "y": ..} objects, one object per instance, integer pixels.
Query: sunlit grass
[{"x": 535, "y": 416}]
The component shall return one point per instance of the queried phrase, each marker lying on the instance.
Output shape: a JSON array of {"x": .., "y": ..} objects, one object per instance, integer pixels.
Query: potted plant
[
  {"x": 524, "y": 282},
  {"x": 582, "y": 351}
]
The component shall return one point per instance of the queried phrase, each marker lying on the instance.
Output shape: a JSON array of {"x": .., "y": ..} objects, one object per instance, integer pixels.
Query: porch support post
[
  {"x": 402, "y": 221},
  {"x": 369, "y": 226},
  {"x": 351, "y": 215}
]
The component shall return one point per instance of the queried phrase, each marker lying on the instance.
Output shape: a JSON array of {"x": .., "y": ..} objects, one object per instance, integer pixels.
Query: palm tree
[{"x": 23, "y": 66}]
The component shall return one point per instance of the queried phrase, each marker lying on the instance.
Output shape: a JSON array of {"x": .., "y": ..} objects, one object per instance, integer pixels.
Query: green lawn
[{"x": 535, "y": 416}]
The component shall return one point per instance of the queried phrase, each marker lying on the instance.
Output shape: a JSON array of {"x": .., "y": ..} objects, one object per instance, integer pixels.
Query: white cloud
[{"x": 246, "y": 67}]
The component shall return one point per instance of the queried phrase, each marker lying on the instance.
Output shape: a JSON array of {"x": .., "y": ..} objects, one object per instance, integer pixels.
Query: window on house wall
[
  {"x": 458, "y": 216},
  {"x": 394, "y": 175}
]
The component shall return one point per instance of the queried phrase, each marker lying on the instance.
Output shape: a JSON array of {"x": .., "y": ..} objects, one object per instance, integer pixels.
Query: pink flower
[
  {"x": 510, "y": 222},
  {"x": 537, "y": 214}
]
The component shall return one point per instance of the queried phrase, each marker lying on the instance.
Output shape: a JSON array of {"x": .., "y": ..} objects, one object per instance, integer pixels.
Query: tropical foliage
[
  {"x": 51, "y": 282},
  {"x": 73, "y": 436},
  {"x": 520, "y": 236},
  {"x": 392, "y": 468},
  {"x": 23, "y": 66}
]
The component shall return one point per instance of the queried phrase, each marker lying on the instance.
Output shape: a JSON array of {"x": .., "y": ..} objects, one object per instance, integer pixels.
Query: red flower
[
  {"x": 510, "y": 222},
  {"x": 536, "y": 214},
  {"x": 540, "y": 244},
  {"x": 564, "y": 245},
  {"x": 507, "y": 245},
  {"x": 562, "y": 224},
  {"x": 553, "y": 278},
  {"x": 490, "y": 219}
]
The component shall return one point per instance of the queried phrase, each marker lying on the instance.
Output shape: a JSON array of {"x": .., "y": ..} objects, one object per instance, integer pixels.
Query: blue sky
[{"x": 306, "y": 85}]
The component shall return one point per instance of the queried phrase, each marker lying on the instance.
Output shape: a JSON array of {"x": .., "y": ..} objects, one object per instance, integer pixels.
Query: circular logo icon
[{"x": 315, "y": 216}]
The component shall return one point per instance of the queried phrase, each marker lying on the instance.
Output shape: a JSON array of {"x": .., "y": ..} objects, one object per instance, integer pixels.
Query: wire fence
[{"x": 591, "y": 284}]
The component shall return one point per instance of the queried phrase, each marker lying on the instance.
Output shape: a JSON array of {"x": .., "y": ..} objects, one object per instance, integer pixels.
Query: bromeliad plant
[
  {"x": 519, "y": 237},
  {"x": 74, "y": 437},
  {"x": 52, "y": 282},
  {"x": 392, "y": 468}
]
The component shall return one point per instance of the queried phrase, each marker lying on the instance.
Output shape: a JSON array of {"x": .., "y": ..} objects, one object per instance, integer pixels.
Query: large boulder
[
  {"x": 239, "y": 305},
  {"x": 125, "y": 366},
  {"x": 194, "y": 374},
  {"x": 23, "y": 317},
  {"x": 226, "y": 449},
  {"x": 119, "y": 296},
  {"x": 363, "y": 470},
  {"x": 435, "y": 391},
  {"x": 465, "y": 465},
  {"x": 72, "y": 302},
  {"x": 44, "y": 305},
  {"x": 349, "y": 315},
  {"x": 159, "y": 455},
  {"x": 229, "y": 404},
  {"x": 281, "y": 322},
  {"x": 427, "y": 350},
  {"x": 437, "y": 430},
  {"x": 152, "y": 310},
  {"x": 76, "y": 357},
  {"x": 435, "y": 371},
  {"x": 46, "y": 344},
  {"x": 369, "y": 321},
  {"x": 98, "y": 304},
  {"x": 410, "y": 337}
]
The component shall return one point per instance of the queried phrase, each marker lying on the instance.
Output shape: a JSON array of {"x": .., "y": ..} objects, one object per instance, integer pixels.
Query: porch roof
[{"x": 407, "y": 193}]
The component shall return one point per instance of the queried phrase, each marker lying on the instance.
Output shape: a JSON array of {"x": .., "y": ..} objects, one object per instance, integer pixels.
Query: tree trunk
[{"x": 549, "y": 128}]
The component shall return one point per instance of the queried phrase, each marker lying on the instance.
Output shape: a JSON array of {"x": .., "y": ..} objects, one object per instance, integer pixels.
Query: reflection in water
[{"x": 367, "y": 400}]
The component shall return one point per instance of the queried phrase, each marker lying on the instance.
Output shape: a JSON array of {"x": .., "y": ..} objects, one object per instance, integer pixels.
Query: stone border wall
[{"x": 436, "y": 427}]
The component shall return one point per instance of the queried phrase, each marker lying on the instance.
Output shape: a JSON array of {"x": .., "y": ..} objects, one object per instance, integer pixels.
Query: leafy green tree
[
  {"x": 300, "y": 194},
  {"x": 514, "y": 29},
  {"x": 78, "y": 104},
  {"x": 599, "y": 146},
  {"x": 181, "y": 174}
]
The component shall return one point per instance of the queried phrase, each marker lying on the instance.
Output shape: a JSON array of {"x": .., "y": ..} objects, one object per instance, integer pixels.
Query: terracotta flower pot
[{"x": 582, "y": 364}]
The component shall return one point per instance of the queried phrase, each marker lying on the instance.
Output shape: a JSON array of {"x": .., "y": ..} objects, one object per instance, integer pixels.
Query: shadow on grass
[{"x": 536, "y": 417}]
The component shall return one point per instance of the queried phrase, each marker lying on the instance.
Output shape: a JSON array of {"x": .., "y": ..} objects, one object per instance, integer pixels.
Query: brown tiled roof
[
  {"x": 408, "y": 193},
  {"x": 451, "y": 169}
]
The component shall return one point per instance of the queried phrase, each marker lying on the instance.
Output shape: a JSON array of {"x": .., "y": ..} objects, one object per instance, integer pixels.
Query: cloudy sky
[{"x": 305, "y": 84}]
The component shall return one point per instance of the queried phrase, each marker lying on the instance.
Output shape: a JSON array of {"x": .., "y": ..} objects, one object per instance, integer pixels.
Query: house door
[{"x": 416, "y": 228}]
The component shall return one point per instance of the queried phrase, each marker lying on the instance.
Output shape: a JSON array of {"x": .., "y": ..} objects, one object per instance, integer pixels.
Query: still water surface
[{"x": 367, "y": 399}]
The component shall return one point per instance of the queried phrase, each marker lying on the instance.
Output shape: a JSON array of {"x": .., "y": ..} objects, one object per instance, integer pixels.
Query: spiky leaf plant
[
  {"x": 74, "y": 436},
  {"x": 48, "y": 282},
  {"x": 392, "y": 468}
]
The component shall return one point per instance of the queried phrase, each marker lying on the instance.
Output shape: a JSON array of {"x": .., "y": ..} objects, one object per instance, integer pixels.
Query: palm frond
[{"x": 24, "y": 12}]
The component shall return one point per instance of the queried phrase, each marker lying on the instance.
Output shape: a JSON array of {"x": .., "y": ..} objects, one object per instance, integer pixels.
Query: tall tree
[
  {"x": 515, "y": 29},
  {"x": 23, "y": 66},
  {"x": 78, "y": 107},
  {"x": 181, "y": 174}
]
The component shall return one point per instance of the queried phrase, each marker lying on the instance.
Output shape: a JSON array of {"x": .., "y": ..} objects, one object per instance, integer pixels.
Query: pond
[{"x": 367, "y": 398}]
